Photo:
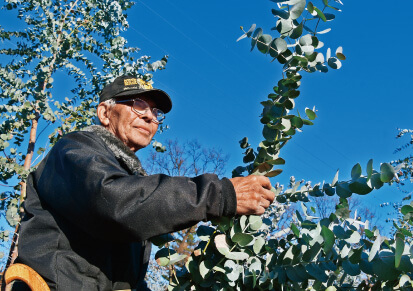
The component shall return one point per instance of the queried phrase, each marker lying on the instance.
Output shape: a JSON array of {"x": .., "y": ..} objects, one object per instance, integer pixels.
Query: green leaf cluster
[
  {"x": 76, "y": 42},
  {"x": 312, "y": 254}
]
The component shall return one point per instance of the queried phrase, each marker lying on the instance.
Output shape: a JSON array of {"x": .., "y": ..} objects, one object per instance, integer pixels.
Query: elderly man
[{"x": 91, "y": 208}]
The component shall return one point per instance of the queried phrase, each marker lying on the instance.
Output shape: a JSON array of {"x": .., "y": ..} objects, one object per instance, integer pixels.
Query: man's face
[{"x": 135, "y": 131}]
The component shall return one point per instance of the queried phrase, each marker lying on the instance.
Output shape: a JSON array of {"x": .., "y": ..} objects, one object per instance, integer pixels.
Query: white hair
[{"x": 111, "y": 102}]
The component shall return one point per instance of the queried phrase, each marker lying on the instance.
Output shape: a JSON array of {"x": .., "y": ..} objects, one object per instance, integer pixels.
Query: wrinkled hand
[{"x": 253, "y": 194}]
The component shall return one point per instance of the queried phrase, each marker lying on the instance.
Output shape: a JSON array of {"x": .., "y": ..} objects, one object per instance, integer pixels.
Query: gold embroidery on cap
[
  {"x": 129, "y": 82},
  {"x": 141, "y": 83},
  {"x": 144, "y": 85}
]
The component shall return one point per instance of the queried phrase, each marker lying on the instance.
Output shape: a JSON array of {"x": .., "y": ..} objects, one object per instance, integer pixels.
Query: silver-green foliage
[
  {"x": 79, "y": 44},
  {"x": 244, "y": 253}
]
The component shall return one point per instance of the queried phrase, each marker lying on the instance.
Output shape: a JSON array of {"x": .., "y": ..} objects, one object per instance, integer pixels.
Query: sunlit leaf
[
  {"x": 255, "y": 222},
  {"x": 320, "y": 14},
  {"x": 329, "y": 240},
  {"x": 259, "y": 243},
  {"x": 273, "y": 173},
  {"x": 237, "y": 256},
  {"x": 162, "y": 256},
  {"x": 375, "y": 248},
  {"x": 310, "y": 7},
  {"x": 327, "y": 30},
  {"x": 257, "y": 33},
  {"x": 221, "y": 244},
  {"x": 242, "y": 239},
  {"x": 335, "y": 179},
  {"x": 310, "y": 114},
  {"x": 297, "y": 9}
]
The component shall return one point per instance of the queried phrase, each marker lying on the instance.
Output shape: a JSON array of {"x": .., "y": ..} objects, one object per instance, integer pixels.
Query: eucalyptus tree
[
  {"x": 188, "y": 158},
  {"x": 77, "y": 45},
  {"x": 244, "y": 253}
]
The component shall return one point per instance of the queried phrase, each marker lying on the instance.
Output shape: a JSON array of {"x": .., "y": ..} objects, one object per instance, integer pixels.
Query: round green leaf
[
  {"x": 341, "y": 57},
  {"x": 237, "y": 256},
  {"x": 369, "y": 169},
  {"x": 205, "y": 267},
  {"x": 297, "y": 32},
  {"x": 162, "y": 256},
  {"x": 242, "y": 239},
  {"x": 278, "y": 46},
  {"x": 308, "y": 49},
  {"x": 310, "y": 7},
  {"x": 256, "y": 35},
  {"x": 278, "y": 161},
  {"x": 297, "y": 122},
  {"x": 387, "y": 172},
  {"x": 251, "y": 30},
  {"x": 360, "y": 186},
  {"x": 375, "y": 180},
  {"x": 204, "y": 232},
  {"x": 383, "y": 267},
  {"x": 269, "y": 134},
  {"x": 297, "y": 9},
  {"x": 255, "y": 222},
  {"x": 284, "y": 26},
  {"x": 354, "y": 238},
  {"x": 280, "y": 13},
  {"x": 329, "y": 239},
  {"x": 404, "y": 279},
  {"x": 274, "y": 173},
  {"x": 334, "y": 63},
  {"x": 406, "y": 209},
  {"x": 375, "y": 248},
  {"x": 399, "y": 249},
  {"x": 343, "y": 190},
  {"x": 306, "y": 40},
  {"x": 351, "y": 269},
  {"x": 221, "y": 244},
  {"x": 263, "y": 43},
  {"x": 356, "y": 172},
  {"x": 160, "y": 240},
  {"x": 258, "y": 244},
  {"x": 329, "y": 16},
  {"x": 310, "y": 113},
  {"x": 316, "y": 272},
  {"x": 232, "y": 270},
  {"x": 320, "y": 14}
]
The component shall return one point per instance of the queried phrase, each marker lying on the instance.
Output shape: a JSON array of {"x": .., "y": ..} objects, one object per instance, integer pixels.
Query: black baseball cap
[{"x": 126, "y": 86}]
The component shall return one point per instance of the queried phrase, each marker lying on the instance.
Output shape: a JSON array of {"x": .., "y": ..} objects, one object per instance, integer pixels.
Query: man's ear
[{"x": 103, "y": 113}]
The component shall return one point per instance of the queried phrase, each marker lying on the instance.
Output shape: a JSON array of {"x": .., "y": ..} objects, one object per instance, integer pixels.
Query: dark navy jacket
[{"x": 90, "y": 210}]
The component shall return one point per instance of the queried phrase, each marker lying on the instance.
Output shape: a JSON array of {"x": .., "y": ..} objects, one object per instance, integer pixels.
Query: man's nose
[{"x": 147, "y": 115}]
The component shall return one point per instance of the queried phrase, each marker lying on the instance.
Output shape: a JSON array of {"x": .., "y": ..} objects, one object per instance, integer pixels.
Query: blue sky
[{"x": 216, "y": 83}]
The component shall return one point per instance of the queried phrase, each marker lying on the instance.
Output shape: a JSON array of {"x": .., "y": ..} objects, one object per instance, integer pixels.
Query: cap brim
[{"x": 161, "y": 98}]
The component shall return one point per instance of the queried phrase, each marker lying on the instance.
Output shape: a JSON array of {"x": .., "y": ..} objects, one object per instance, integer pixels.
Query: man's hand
[{"x": 253, "y": 194}]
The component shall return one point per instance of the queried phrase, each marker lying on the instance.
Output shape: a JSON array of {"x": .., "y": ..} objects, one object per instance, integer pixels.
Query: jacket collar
[{"x": 122, "y": 153}]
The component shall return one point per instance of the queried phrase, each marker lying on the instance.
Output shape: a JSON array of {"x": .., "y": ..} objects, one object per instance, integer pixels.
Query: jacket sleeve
[{"x": 84, "y": 183}]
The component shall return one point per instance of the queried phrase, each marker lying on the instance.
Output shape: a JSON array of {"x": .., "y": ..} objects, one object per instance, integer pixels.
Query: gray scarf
[{"x": 122, "y": 153}]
